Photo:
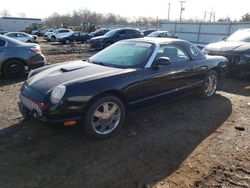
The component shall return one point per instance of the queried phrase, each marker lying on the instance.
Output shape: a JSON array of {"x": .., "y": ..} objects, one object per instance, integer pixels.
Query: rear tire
[
  {"x": 67, "y": 42},
  {"x": 53, "y": 39},
  {"x": 104, "y": 117},
  {"x": 210, "y": 85},
  {"x": 13, "y": 68}
]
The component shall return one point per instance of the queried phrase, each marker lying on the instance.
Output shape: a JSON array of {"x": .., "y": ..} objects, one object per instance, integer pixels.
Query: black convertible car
[
  {"x": 97, "y": 93},
  {"x": 236, "y": 48}
]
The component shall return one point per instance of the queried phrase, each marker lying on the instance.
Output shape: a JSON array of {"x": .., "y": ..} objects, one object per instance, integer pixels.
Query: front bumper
[
  {"x": 238, "y": 63},
  {"x": 96, "y": 44},
  {"x": 35, "y": 105},
  {"x": 27, "y": 114}
]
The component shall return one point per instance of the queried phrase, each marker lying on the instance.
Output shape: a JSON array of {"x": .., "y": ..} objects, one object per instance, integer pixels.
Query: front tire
[
  {"x": 104, "y": 117},
  {"x": 210, "y": 85},
  {"x": 13, "y": 68}
]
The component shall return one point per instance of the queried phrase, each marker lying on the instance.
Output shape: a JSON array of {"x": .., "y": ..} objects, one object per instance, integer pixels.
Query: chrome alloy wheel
[
  {"x": 211, "y": 85},
  {"x": 106, "y": 118}
]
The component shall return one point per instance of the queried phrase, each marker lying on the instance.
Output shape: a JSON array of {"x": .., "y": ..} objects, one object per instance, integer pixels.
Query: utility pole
[
  {"x": 169, "y": 5},
  {"x": 205, "y": 15},
  {"x": 182, "y": 9}
]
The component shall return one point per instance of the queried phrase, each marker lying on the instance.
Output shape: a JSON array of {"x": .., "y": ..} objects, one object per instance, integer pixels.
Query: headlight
[
  {"x": 247, "y": 55},
  {"x": 57, "y": 94}
]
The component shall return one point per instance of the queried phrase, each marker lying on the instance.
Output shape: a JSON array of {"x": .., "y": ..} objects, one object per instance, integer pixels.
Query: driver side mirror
[
  {"x": 162, "y": 61},
  {"x": 225, "y": 38}
]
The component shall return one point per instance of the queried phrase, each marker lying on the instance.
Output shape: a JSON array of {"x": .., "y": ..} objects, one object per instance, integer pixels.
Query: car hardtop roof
[
  {"x": 61, "y": 29},
  {"x": 17, "y": 32},
  {"x": 157, "y": 40},
  {"x": 118, "y": 29},
  {"x": 161, "y": 31},
  {"x": 11, "y": 40},
  {"x": 247, "y": 29}
]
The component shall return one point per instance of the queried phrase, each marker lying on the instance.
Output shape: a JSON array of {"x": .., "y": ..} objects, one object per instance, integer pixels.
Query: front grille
[
  {"x": 30, "y": 105},
  {"x": 231, "y": 58}
]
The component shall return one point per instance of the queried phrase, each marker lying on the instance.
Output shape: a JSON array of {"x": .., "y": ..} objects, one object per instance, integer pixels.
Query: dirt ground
[{"x": 186, "y": 143}]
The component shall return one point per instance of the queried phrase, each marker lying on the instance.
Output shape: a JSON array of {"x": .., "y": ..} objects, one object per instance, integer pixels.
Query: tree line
[{"x": 86, "y": 16}]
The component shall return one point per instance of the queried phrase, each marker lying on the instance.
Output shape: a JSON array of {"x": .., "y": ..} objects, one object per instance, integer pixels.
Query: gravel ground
[{"x": 188, "y": 143}]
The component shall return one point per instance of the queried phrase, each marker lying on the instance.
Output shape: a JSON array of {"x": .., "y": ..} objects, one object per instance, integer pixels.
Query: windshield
[
  {"x": 124, "y": 55},
  {"x": 154, "y": 34},
  {"x": 239, "y": 36},
  {"x": 110, "y": 33}
]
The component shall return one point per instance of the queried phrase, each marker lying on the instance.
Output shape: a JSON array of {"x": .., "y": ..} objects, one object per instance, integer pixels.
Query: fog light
[{"x": 69, "y": 123}]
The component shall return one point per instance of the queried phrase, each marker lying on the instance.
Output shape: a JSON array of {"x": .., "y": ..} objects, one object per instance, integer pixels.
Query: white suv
[{"x": 58, "y": 33}]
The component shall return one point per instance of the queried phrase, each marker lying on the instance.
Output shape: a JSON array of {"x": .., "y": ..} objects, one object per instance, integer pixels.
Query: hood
[
  {"x": 48, "y": 33},
  {"x": 60, "y": 35},
  {"x": 100, "y": 38},
  {"x": 65, "y": 35},
  {"x": 70, "y": 73},
  {"x": 225, "y": 46}
]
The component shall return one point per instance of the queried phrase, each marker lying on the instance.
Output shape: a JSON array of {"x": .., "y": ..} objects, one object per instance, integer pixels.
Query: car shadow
[
  {"x": 8, "y": 81},
  {"x": 236, "y": 85},
  {"x": 152, "y": 144}
]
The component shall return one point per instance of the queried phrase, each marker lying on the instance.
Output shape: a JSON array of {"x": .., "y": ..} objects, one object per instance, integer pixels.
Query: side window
[
  {"x": 20, "y": 35},
  {"x": 169, "y": 35},
  {"x": 122, "y": 32},
  {"x": 173, "y": 52},
  {"x": 247, "y": 40},
  {"x": 161, "y": 35},
  {"x": 12, "y": 35},
  {"x": 193, "y": 50},
  {"x": 2, "y": 43},
  {"x": 76, "y": 34}
]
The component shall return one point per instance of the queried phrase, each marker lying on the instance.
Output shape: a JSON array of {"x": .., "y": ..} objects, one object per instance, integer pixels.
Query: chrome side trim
[{"x": 152, "y": 58}]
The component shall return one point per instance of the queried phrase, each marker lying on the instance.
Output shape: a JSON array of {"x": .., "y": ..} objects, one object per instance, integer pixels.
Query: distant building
[{"x": 18, "y": 24}]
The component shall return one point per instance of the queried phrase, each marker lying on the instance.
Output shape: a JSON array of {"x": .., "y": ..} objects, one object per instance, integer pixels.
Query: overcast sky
[{"x": 130, "y": 8}]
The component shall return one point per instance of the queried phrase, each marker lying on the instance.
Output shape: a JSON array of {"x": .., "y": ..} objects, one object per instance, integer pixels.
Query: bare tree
[
  {"x": 5, "y": 13},
  {"x": 21, "y": 14},
  {"x": 245, "y": 18},
  {"x": 86, "y": 18}
]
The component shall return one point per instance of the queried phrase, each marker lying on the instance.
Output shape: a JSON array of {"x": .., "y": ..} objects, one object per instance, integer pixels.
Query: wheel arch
[
  {"x": 9, "y": 59},
  {"x": 218, "y": 71},
  {"x": 112, "y": 92}
]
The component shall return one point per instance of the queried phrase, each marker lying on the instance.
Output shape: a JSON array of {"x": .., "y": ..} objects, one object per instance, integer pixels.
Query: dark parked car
[
  {"x": 98, "y": 93},
  {"x": 99, "y": 32},
  {"x": 163, "y": 34},
  {"x": 236, "y": 48},
  {"x": 147, "y": 32},
  {"x": 3, "y": 32},
  {"x": 15, "y": 56},
  {"x": 74, "y": 37},
  {"x": 114, "y": 36}
]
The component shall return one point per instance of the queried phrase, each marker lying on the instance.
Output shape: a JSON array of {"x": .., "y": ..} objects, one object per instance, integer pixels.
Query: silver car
[
  {"x": 16, "y": 57},
  {"x": 24, "y": 37}
]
